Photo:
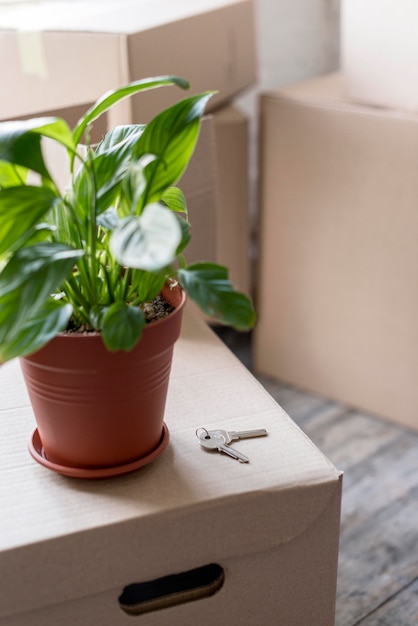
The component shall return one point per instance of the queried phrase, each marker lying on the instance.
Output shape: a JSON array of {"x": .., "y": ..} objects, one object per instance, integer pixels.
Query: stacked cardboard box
[
  {"x": 217, "y": 190},
  {"x": 337, "y": 280},
  {"x": 69, "y": 53},
  {"x": 63, "y": 56}
]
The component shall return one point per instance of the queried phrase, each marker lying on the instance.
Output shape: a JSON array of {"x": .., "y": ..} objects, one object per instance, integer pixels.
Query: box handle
[{"x": 152, "y": 595}]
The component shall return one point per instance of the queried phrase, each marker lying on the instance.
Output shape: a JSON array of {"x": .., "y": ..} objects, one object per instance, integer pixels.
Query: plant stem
[
  {"x": 109, "y": 283},
  {"x": 75, "y": 293},
  {"x": 92, "y": 234}
]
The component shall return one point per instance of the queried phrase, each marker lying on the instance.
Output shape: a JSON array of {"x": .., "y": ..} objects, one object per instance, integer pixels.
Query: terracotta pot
[{"x": 98, "y": 409}]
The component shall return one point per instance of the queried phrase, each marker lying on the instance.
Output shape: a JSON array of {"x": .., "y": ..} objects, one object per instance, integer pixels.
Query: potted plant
[{"x": 94, "y": 279}]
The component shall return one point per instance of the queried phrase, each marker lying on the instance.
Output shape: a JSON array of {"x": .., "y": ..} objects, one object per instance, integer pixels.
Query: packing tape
[{"x": 32, "y": 54}]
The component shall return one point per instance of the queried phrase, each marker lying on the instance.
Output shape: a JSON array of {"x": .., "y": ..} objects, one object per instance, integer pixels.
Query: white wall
[{"x": 297, "y": 39}]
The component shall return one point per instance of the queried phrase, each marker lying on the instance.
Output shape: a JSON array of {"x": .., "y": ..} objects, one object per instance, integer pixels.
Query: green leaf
[
  {"x": 148, "y": 242},
  {"x": 208, "y": 285},
  {"x": 46, "y": 322},
  {"x": 133, "y": 186},
  {"x": 122, "y": 326},
  {"x": 26, "y": 283},
  {"x": 185, "y": 234},
  {"x": 171, "y": 136},
  {"x": 109, "y": 164},
  {"x": 11, "y": 175},
  {"x": 120, "y": 139},
  {"x": 96, "y": 316},
  {"x": 145, "y": 286},
  {"x": 175, "y": 200},
  {"x": 38, "y": 270},
  {"x": 20, "y": 141},
  {"x": 109, "y": 219},
  {"x": 20, "y": 209},
  {"x": 109, "y": 99}
]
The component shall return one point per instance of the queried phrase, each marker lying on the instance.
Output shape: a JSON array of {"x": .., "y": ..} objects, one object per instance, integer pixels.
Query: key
[
  {"x": 217, "y": 442},
  {"x": 233, "y": 435}
]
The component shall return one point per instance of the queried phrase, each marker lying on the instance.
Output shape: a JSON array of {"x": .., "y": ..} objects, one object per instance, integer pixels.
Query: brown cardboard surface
[
  {"x": 290, "y": 584},
  {"x": 200, "y": 186},
  {"x": 69, "y": 54},
  {"x": 233, "y": 211},
  {"x": 273, "y": 524},
  {"x": 338, "y": 300}
]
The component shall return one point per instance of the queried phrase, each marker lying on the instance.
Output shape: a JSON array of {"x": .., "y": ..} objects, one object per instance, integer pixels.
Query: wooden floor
[{"x": 378, "y": 560}]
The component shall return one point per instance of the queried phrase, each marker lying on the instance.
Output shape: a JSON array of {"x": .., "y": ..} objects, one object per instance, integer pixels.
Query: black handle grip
[{"x": 152, "y": 595}]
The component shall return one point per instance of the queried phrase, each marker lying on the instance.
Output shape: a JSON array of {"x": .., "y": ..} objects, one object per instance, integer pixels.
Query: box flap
[
  {"x": 86, "y": 537},
  {"x": 329, "y": 91}
]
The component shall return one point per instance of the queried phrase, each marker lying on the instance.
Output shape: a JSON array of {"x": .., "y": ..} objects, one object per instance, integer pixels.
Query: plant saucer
[{"x": 37, "y": 452}]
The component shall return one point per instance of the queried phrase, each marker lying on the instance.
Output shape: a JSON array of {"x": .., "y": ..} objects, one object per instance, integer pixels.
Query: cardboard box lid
[
  {"x": 69, "y": 53},
  {"x": 328, "y": 91},
  {"x": 322, "y": 90},
  {"x": 188, "y": 507}
]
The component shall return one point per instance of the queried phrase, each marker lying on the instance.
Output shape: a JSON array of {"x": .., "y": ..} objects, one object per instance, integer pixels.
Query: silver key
[
  {"x": 217, "y": 442},
  {"x": 233, "y": 435}
]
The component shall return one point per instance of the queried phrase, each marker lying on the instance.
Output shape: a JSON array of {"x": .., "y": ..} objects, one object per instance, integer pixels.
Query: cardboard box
[
  {"x": 69, "y": 547},
  {"x": 69, "y": 53},
  {"x": 338, "y": 270},
  {"x": 200, "y": 186},
  {"x": 233, "y": 208},
  {"x": 379, "y": 52}
]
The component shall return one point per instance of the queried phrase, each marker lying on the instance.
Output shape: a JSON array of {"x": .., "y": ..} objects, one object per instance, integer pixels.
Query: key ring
[{"x": 207, "y": 436}]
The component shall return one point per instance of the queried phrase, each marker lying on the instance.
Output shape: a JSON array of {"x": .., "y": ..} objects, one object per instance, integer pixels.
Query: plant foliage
[{"x": 97, "y": 251}]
